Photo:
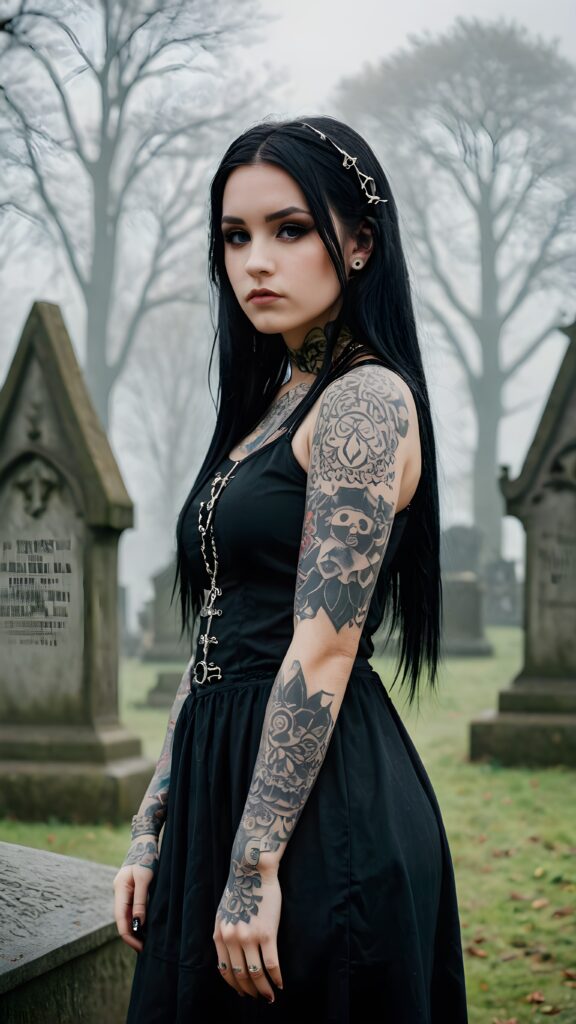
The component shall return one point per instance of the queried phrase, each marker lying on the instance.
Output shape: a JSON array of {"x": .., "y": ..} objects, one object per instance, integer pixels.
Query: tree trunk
[
  {"x": 99, "y": 293},
  {"x": 488, "y": 503}
]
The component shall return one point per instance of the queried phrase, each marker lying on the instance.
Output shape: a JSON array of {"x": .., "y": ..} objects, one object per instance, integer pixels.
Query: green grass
[{"x": 512, "y": 833}]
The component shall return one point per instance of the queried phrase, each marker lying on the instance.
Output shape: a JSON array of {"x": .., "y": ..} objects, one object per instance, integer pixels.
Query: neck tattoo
[{"x": 310, "y": 356}]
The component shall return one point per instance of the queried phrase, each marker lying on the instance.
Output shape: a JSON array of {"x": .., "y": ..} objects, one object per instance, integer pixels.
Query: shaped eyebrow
[{"x": 269, "y": 217}]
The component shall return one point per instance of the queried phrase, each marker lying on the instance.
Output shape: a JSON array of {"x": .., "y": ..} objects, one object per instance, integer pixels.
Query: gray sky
[{"x": 319, "y": 41}]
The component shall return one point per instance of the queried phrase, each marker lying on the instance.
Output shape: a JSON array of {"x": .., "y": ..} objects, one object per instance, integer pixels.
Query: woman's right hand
[{"x": 131, "y": 887}]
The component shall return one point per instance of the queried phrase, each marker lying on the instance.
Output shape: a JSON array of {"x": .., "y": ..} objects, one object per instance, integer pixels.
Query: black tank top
[{"x": 257, "y": 526}]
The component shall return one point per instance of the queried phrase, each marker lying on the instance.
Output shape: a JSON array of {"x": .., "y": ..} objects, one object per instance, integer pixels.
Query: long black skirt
[{"x": 369, "y": 930}]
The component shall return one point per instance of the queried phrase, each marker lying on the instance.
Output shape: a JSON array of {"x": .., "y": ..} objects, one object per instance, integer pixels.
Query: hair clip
[{"x": 350, "y": 161}]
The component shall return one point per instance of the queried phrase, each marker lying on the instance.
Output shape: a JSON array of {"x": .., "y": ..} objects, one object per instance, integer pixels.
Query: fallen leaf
[
  {"x": 519, "y": 897},
  {"x": 535, "y": 997},
  {"x": 563, "y": 912},
  {"x": 503, "y": 853},
  {"x": 550, "y": 1011},
  {"x": 569, "y": 972},
  {"x": 509, "y": 1020},
  {"x": 475, "y": 951},
  {"x": 539, "y": 904}
]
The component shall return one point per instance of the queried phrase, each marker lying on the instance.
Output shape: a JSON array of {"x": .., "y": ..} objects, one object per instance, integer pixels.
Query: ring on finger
[
  {"x": 237, "y": 970},
  {"x": 222, "y": 966},
  {"x": 253, "y": 968}
]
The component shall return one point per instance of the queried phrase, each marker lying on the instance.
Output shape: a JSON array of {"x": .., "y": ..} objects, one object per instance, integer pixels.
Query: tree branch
[
  {"x": 32, "y": 13},
  {"x": 515, "y": 365},
  {"x": 437, "y": 270},
  {"x": 29, "y": 132},
  {"x": 536, "y": 265},
  {"x": 452, "y": 337},
  {"x": 67, "y": 110}
]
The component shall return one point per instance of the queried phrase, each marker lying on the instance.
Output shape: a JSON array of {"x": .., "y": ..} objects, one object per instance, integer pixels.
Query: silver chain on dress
[{"x": 205, "y": 671}]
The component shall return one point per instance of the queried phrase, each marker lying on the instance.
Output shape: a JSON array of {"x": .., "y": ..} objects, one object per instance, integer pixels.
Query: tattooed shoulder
[
  {"x": 353, "y": 483},
  {"x": 362, "y": 418}
]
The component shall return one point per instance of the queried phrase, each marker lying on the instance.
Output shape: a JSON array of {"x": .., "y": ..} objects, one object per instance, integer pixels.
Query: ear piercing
[{"x": 357, "y": 264}]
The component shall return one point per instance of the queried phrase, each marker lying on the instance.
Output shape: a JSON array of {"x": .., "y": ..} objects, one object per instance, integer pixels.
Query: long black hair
[{"x": 377, "y": 307}]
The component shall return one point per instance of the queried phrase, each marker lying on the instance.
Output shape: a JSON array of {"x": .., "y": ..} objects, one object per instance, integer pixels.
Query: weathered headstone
[
  {"x": 536, "y": 719},
  {"x": 504, "y": 593},
  {"x": 61, "y": 958},
  {"x": 63, "y": 505},
  {"x": 463, "y": 593},
  {"x": 164, "y": 643}
]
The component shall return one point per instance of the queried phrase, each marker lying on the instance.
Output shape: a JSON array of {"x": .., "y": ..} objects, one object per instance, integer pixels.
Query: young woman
[{"x": 304, "y": 861}]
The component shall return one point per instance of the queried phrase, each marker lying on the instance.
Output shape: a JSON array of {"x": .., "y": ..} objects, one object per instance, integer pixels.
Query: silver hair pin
[{"x": 350, "y": 161}]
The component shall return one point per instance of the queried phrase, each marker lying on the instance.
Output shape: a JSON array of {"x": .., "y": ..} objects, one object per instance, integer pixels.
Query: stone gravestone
[
  {"x": 463, "y": 593},
  {"x": 61, "y": 958},
  {"x": 503, "y": 593},
  {"x": 536, "y": 719},
  {"x": 164, "y": 642},
  {"x": 63, "y": 506}
]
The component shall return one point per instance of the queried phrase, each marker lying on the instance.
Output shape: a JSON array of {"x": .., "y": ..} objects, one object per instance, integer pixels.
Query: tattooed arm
[
  {"x": 147, "y": 823},
  {"x": 365, "y": 436}
]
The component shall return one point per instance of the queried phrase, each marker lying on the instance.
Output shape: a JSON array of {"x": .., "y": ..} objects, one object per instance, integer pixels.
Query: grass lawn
[{"x": 512, "y": 834}]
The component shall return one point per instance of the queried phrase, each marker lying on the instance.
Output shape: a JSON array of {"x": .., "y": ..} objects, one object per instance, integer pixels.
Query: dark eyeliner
[{"x": 302, "y": 230}]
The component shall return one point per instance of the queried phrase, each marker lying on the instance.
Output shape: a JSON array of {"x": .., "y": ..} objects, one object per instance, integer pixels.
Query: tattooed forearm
[
  {"x": 348, "y": 517},
  {"x": 152, "y": 811},
  {"x": 295, "y": 737},
  {"x": 144, "y": 852}
]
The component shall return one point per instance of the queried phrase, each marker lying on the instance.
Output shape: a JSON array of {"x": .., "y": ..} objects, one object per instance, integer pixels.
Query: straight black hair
[{"x": 377, "y": 307}]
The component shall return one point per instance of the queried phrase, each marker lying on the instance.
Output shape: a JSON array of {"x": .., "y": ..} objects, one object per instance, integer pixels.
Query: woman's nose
[{"x": 258, "y": 259}]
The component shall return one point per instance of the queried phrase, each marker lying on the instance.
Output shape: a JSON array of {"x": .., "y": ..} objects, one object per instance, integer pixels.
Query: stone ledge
[
  {"x": 81, "y": 793},
  {"x": 524, "y": 739},
  {"x": 47, "y": 742},
  {"x": 53, "y": 908},
  {"x": 61, "y": 958}
]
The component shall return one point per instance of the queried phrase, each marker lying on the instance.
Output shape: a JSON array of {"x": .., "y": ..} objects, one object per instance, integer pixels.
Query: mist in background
[{"x": 119, "y": 239}]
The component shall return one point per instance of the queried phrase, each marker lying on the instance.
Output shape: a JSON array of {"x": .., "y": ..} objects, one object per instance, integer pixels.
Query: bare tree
[
  {"x": 477, "y": 128},
  {"x": 114, "y": 108}
]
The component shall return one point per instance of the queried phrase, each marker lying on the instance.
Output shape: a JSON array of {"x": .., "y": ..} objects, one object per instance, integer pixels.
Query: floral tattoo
[{"x": 295, "y": 738}]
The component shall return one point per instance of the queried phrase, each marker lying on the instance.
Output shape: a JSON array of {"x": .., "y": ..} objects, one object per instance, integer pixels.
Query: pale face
[{"x": 285, "y": 255}]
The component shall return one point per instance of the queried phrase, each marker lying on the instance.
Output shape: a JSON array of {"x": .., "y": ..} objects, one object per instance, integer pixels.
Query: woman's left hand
[{"x": 246, "y": 921}]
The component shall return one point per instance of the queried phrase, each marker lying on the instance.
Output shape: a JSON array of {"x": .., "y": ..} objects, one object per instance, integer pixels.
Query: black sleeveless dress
[{"x": 369, "y": 929}]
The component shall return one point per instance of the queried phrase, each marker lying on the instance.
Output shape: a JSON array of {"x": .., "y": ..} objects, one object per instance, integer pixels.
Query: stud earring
[{"x": 357, "y": 264}]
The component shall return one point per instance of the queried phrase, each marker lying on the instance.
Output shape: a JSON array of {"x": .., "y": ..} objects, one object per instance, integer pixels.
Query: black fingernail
[{"x": 137, "y": 927}]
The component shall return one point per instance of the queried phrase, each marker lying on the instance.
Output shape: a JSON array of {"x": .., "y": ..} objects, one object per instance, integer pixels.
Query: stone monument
[
  {"x": 504, "y": 593},
  {"x": 536, "y": 719},
  {"x": 63, "y": 506},
  {"x": 163, "y": 643},
  {"x": 463, "y": 593},
  {"x": 61, "y": 958}
]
